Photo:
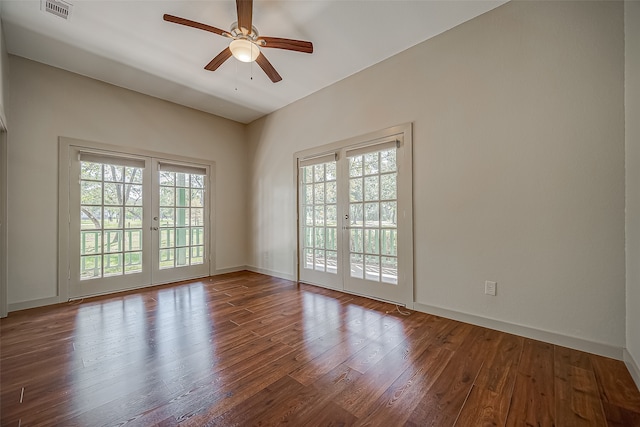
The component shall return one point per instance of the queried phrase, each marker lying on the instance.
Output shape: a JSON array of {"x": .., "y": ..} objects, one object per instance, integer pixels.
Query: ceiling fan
[{"x": 245, "y": 42}]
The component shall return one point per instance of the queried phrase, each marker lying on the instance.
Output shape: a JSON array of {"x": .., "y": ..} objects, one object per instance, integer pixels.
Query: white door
[
  {"x": 180, "y": 221},
  {"x": 319, "y": 239},
  {"x": 135, "y": 221},
  {"x": 109, "y": 222},
  {"x": 355, "y": 219},
  {"x": 376, "y": 214}
]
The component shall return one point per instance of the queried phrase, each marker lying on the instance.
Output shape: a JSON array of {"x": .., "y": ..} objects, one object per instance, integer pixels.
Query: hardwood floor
[{"x": 247, "y": 349}]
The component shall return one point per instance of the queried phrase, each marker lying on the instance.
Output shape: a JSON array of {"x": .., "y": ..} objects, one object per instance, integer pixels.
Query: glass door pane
[
  {"x": 319, "y": 237},
  {"x": 373, "y": 217},
  {"x": 111, "y": 220}
]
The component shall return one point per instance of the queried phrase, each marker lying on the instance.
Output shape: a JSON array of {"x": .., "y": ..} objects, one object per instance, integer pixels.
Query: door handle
[{"x": 154, "y": 228}]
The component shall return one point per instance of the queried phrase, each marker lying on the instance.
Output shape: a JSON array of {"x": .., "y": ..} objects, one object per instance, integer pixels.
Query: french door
[
  {"x": 319, "y": 236},
  {"x": 354, "y": 216},
  {"x": 179, "y": 223},
  {"x": 134, "y": 221}
]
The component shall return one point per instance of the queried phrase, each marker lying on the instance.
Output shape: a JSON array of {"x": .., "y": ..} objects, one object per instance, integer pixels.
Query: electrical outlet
[{"x": 490, "y": 288}]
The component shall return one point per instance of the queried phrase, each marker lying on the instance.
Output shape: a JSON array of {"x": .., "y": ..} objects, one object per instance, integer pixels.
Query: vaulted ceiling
[{"x": 128, "y": 44}]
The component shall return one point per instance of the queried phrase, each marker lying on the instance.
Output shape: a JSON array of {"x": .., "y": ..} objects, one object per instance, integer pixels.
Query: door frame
[
  {"x": 4, "y": 205},
  {"x": 404, "y": 130},
  {"x": 65, "y": 145}
]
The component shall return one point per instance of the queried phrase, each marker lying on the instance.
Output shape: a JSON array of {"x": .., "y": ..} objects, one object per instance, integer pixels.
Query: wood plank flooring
[{"x": 246, "y": 349}]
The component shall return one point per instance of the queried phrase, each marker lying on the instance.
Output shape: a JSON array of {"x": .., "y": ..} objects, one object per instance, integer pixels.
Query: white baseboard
[
  {"x": 632, "y": 366},
  {"x": 601, "y": 349},
  {"x": 277, "y": 274},
  {"x": 230, "y": 270},
  {"x": 17, "y": 306}
]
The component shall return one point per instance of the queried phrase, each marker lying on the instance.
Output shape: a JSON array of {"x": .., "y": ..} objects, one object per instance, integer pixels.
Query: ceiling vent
[{"x": 57, "y": 7}]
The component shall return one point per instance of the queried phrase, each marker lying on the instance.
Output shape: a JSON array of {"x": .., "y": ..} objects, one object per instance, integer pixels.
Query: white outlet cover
[{"x": 490, "y": 288}]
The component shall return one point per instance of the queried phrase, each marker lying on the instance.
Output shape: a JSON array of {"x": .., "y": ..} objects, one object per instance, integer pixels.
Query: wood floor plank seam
[
  {"x": 455, "y": 422},
  {"x": 513, "y": 386}
]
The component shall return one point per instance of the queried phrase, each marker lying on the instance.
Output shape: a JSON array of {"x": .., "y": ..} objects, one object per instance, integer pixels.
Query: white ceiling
[{"x": 128, "y": 44}]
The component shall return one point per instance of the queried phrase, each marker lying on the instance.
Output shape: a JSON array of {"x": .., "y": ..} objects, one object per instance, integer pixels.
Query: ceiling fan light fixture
[{"x": 244, "y": 50}]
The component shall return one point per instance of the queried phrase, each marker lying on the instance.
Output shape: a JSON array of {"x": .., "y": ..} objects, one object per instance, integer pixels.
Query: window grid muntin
[
  {"x": 320, "y": 210},
  {"x": 373, "y": 242},
  {"x": 182, "y": 219},
  {"x": 103, "y": 260}
]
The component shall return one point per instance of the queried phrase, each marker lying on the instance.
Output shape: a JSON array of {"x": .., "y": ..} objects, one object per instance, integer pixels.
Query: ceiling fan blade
[
  {"x": 266, "y": 66},
  {"x": 194, "y": 24},
  {"x": 218, "y": 60},
  {"x": 288, "y": 44},
  {"x": 245, "y": 15}
]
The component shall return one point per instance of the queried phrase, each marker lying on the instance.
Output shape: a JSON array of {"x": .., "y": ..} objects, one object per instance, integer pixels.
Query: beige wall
[
  {"x": 632, "y": 138},
  {"x": 518, "y": 166},
  {"x": 46, "y": 103}
]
